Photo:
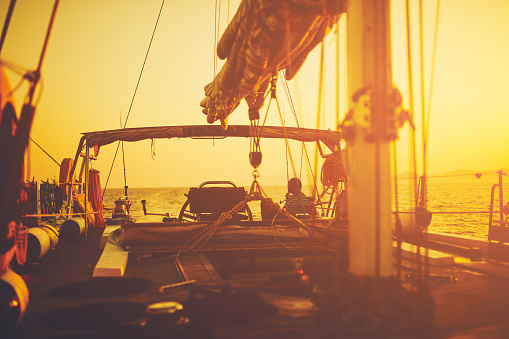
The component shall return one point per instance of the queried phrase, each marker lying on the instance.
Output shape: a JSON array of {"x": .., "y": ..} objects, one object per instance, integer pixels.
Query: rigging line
[
  {"x": 286, "y": 152},
  {"x": 123, "y": 162},
  {"x": 144, "y": 62},
  {"x": 134, "y": 94},
  {"x": 301, "y": 159},
  {"x": 41, "y": 89},
  {"x": 412, "y": 149},
  {"x": 214, "y": 59},
  {"x": 217, "y": 22},
  {"x": 15, "y": 88},
  {"x": 294, "y": 112},
  {"x": 287, "y": 93},
  {"x": 111, "y": 168},
  {"x": 319, "y": 109},
  {"x": 20, "y": 70},
  {"x": 56, "y": 162},
  {"x": 337, "y": 73},
  {"x": 287, "y": 36},
  {"x": 423, "y": 109},
  {"x": 6, "y": 23},
  {"x": 289, "y": 97},
  {"x": 37, "y": 72},
  {"x": 286, "y": 139},
  {"x": 396, "y": 206},
  {"x": 312, "y": 173},
  {"x": 430, "y": 92}
]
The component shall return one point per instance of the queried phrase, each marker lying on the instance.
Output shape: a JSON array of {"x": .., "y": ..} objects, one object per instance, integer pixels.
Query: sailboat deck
[{"x": 471, "y": 299}]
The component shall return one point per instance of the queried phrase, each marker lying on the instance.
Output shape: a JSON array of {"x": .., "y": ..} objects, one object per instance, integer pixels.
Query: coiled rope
[
  {"x": 332, "y": 170},
  {"x": 198, "y": 240}
]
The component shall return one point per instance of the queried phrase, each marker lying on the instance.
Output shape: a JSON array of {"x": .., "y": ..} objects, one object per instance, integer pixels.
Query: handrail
[
  {"x": 216, "y": 182},
  {"x": 502, "y": 222}
]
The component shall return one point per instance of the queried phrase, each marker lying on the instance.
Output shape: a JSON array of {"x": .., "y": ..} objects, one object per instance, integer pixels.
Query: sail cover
[
  {"x": 263, "y": 38},
  {"x": 96, "y": 139}
]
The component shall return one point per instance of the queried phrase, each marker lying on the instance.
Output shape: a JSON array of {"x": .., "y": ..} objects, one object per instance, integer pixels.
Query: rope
[
  {"x": 430, "y": 92},
  {"x": 412, "y": 149},
  {"x": 294, "y": 113},
  {"x": 304, "y": 226},
  {"x": 144, "y": 61},
  {"x": 319, "y": 109},
  {"x": 201, "y": 238},
  {"x": 217, "y": 16},
  {"x": 289, "y": 98},
  {"x": 274, "y": 232},
  {"x": 123, "y": 164},
  {"x": 6, "y": 23},
  {"x": 18, "y": 69},
  {"x": 423, "y": 110},
  {"x": 135, "y": 90},
  {"x": 398, "y": 225},
  {"x": 111, "y": 169},
  {"x": 198, "y": 240},
  {"x": 44, "y": 151},
  {"x": 286, "y": 140},
  {"x": 332, "y": 170}
]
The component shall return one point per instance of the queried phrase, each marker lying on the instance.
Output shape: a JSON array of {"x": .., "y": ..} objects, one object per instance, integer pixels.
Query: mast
[{"x": 370, "y": 127}]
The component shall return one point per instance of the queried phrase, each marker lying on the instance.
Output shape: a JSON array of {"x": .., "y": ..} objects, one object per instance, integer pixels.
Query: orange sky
[{"x": 97, "y": 50}]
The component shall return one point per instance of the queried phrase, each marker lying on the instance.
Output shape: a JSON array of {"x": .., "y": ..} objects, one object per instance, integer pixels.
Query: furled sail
[{"x": 263, "y": 38}]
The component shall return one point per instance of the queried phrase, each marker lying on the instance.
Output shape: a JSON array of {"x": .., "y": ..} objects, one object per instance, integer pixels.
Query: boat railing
[{"x": 498, "y": 235}]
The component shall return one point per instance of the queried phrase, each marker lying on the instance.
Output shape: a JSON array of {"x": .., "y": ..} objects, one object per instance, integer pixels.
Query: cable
[
  {"x": 430, "y": 92},
  {"x": 144, "y": 62},
  {"x": 56, "y": 162},
  {"x": 217, "y": 20},
  {"x": 20, "y": 70},
  {"x": 6, "y": 23},
  {"x": 423, "y": 109},
  {"x": 135, "y": 90}
]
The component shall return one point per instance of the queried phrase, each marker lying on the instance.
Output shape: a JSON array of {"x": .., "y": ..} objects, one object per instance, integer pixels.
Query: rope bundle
[{"x": 333, "y": 170}]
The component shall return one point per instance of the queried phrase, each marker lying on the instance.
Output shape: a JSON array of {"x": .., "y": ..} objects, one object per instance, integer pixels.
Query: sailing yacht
[{"x": 357, "y": 269}]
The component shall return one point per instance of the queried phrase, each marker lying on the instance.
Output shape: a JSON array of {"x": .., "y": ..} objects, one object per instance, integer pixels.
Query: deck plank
[
  {"x": 198, "y": 267},
  {"x": 112, "y": 262},
  {"x": 435, "y": 258}
]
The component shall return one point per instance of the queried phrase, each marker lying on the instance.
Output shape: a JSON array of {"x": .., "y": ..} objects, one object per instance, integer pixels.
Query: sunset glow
[{"x": 97, "y": 50}]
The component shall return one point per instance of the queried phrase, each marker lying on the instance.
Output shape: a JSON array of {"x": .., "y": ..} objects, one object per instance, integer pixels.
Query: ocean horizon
[{"x": 458, "y": 207}]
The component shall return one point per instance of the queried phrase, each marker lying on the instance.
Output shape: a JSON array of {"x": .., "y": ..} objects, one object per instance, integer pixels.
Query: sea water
[{"x": 458, "y": 207}]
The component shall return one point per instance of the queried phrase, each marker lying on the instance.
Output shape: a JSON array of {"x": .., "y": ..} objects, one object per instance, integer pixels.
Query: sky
[{"x": 97, "y": 49}]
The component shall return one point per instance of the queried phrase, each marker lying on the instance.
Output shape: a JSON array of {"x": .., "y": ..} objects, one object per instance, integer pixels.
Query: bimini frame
[{"x": 331, "y": 139}]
